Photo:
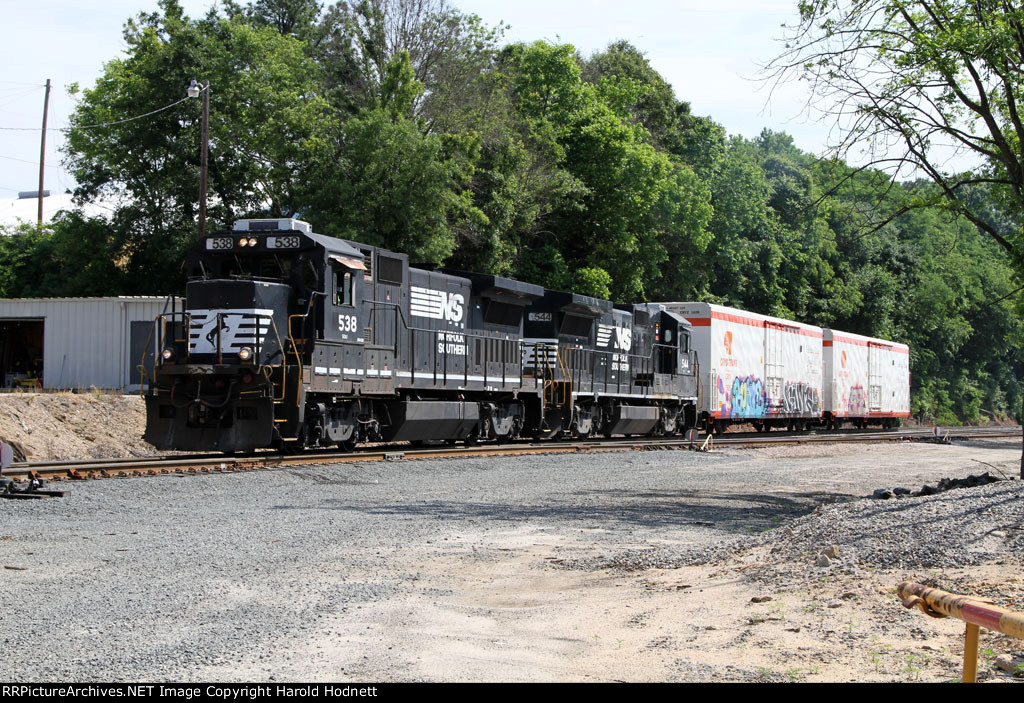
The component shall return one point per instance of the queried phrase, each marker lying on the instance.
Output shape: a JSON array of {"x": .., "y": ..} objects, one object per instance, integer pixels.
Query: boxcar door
[
  {"x": 774, "y": 365},
  {"x": 874, "y": 376}
]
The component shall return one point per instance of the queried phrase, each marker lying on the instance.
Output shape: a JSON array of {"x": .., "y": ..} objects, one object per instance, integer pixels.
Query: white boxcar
[
  {"x": 866, "y": 380},
  {"x": 754, "y": 368}
]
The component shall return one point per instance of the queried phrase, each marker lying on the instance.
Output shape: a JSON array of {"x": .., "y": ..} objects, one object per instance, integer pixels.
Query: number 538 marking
[{"x": 347, "y": 323}]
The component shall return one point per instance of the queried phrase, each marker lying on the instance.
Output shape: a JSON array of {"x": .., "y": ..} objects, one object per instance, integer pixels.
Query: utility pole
[
  {"x": 42, "y": 152},
  {"x": 203, "y": 161},
  {"x": 193, "y": 92}
]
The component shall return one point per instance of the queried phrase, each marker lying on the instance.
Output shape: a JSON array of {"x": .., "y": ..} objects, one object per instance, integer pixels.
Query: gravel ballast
[{"x": 331, "y": 572}]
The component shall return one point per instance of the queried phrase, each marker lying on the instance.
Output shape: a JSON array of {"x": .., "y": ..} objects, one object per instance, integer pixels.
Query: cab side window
[{"x": 344, "y": 283}]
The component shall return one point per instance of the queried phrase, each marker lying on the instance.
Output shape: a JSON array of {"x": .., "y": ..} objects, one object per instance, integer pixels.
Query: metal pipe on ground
[{"x": 975, "y": 612}]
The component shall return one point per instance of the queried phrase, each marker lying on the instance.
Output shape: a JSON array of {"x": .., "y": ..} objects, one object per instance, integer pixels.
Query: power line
[
  {"x": 94, "y": 126},
  {"x": 10, "y": 98},
  {"x": 26, "y": 161}
]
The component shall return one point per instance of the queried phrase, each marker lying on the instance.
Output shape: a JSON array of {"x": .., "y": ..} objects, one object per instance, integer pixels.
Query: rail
[
  {"x": 448, "y": 351},
  {"x": 211, "y": 462},
  {"x": 975, "y": 612},
  {"x": 291, "y": 337}
]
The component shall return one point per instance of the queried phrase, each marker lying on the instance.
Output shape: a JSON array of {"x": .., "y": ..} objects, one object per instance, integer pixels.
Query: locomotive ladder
[{"x": 552, "y": 385}]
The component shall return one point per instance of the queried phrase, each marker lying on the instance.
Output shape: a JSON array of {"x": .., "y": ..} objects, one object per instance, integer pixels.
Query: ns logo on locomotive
[{"x": 293, "y": 339}]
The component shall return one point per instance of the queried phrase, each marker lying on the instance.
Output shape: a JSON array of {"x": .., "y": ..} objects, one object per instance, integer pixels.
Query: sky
[{"x": 711, "y": 53}]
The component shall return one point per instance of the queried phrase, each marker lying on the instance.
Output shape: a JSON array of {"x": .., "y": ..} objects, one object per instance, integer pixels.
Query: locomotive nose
[{"x": 237, "y": 321}]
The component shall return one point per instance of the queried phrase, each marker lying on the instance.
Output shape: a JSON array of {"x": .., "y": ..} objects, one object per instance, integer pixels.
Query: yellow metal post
[
  {"x": 975, "y": 612},
  {"x": 971, "y": 654}
]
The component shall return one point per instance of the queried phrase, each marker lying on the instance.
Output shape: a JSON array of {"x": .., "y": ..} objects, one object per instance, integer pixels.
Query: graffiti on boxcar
[
  {"x": 800, "y": 399},
  {"x": 745, "y": 398},
  {"x": 857, "y": 403}
]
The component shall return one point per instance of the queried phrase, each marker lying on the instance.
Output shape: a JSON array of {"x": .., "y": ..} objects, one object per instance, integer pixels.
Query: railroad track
[{"x": 219, "y": 463}]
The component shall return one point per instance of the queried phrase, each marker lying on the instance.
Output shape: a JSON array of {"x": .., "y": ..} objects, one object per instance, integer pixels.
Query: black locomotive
[{"x": 292, "y": 339}]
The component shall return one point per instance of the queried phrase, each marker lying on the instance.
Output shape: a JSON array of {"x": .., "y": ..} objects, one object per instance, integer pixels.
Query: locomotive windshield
[{"x": 264, "y": 266}]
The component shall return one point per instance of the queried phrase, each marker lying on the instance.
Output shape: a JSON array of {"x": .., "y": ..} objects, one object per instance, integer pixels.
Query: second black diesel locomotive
[{"x": 293, "y": 339}]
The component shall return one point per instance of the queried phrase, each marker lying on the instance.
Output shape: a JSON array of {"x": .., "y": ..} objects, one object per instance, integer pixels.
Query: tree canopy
[
  {"x": 409, "y": 125},
  {"x": 924, "y": 86}
]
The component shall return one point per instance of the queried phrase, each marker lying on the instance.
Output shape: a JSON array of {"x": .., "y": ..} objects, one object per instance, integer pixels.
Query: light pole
[{"x": 193, "y": 91}]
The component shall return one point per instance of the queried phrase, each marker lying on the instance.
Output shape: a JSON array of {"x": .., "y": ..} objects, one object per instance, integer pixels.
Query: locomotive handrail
[
  {"x": 569, "y": 375},
  {"x": 291, "y": 338},
  {"x": 295, "y": 348},
  {"x": 141, "y": 368},
  {"x": 466, "y": 336}
]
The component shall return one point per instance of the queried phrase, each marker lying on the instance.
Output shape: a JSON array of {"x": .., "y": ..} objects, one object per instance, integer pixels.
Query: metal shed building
[{"x": 76, "y": 343}]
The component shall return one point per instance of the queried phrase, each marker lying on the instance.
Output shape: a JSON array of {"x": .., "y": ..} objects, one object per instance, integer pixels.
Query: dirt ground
[
  {"x": 691, "y": 624},
  {"x": 58, "y": 426},
  {"x": 508, "y": 609},
  {"x": 517, "y": 619}
]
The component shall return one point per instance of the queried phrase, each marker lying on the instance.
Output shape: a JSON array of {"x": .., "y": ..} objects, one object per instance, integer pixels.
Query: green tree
[
  {"x": 268, "y": 128},
  {"x": 631, "y": 201},
  {"x": 916, "y": 81},
  {"x": 448, "y": 50}
]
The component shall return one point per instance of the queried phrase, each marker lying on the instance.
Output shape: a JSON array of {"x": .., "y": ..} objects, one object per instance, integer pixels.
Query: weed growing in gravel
[
  {"x": 1018, "y": 671},
  {"x": 795, "y": 675},
  {"x": 914, "y": 665},
  {"x": 812, "y": 607},
  {"x": 877, "y": 656}
]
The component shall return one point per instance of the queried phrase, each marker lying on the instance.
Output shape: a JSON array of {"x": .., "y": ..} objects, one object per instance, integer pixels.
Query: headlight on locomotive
[
  {"x": 245, "y": 354},
  {"x": 167, "y": 354}
]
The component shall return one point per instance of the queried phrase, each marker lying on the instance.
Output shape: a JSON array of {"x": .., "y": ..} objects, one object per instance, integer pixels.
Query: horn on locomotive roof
[{"x": 283, "y": 224}]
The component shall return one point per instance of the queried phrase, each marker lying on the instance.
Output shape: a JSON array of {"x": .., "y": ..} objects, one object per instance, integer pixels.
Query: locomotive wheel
[
  {"x": 347, "y": 445},
  {"x": 577, "y": 434}
]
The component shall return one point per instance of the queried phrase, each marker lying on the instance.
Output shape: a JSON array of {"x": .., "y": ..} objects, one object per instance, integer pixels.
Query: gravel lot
[{"x": 625, "y": 566}]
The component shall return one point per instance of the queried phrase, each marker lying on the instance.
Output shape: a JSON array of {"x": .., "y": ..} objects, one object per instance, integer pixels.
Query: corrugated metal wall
[{"x": 86, "y": 340}]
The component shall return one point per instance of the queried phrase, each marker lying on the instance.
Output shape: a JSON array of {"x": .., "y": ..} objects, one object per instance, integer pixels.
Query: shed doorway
[{"x": 21, "y": 353}]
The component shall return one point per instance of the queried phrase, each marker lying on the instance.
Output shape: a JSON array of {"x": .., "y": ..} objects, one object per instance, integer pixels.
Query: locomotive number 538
[{"x": 347, "y": 323}]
